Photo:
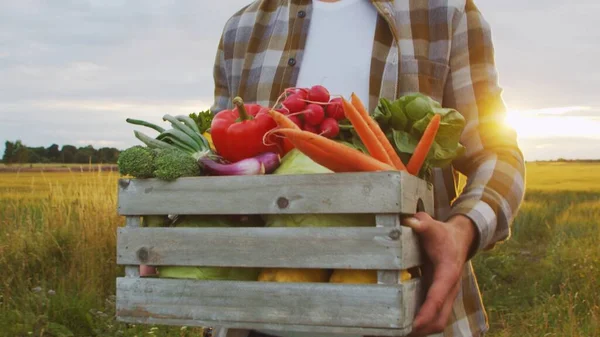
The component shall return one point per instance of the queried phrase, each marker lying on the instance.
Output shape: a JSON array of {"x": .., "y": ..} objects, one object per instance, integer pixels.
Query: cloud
[
  {"x": 569, "y": 111},
  {"x": 132, "y": 49},
  {"x": 590, "y": 112},
  {"x": 72, "y": 71},
  {"x": 546, "y": 50},
  {"x": 552, "y": 148}
]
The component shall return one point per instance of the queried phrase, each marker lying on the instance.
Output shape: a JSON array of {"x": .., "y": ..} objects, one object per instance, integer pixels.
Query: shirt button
[
  {"x": 301, "y": 14},
  {"x": 292, "y": 61}
]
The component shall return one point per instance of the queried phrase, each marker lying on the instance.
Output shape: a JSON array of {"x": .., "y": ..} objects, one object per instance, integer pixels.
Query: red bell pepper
[{"x": 238, "y": 133}]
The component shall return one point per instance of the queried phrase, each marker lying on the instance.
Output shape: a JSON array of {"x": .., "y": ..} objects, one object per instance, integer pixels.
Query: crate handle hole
[{"x": 420, "y": 205}]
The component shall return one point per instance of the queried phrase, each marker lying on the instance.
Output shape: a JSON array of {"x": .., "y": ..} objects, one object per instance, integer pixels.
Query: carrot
[
  {"x": 282, "y": 120},
  {"x": 374, "y": 126},
  {"x": 418, "y": 157},
  {"x": 367, "y": 136},
  {"x": 352, "y": 159}
]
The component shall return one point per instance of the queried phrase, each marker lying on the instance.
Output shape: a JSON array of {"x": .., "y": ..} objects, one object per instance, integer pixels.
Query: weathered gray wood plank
[
  {"x": 413, "y": 297},
  {"x": 306, "y": 247},
  {"x": 417, "y": 189},
  {"x": 389, "y": 222},
  {"x": 368, "y": 192},
  {"x": 222, "y": 303},
  {"x": 132, "y": 222},
  {"x": 275, "y": 327}
]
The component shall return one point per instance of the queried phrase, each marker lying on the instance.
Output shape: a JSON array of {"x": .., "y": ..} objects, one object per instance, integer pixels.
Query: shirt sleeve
[
  {"x": 493, "y": 162},
  {"x": 221, "y": 93}
]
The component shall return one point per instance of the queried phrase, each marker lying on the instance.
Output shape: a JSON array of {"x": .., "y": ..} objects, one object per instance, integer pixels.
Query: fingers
[
  {"x": 445, "y": 280},
  {"x": 445, "y": 314},
  {"x": 420, "y": 222},
  {"x": 440, "y": 322},
  {"x": 446, "y": 269}
]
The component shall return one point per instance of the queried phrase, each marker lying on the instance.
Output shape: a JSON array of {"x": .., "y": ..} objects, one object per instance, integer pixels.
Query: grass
[
  {"x": 544, "y": 281},
  {"x": 57, "y": 256}
]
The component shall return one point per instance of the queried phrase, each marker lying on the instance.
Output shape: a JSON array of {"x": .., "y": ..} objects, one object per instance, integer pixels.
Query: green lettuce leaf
[
  {"x": 404, "y": 120},
  {"x": 383, "y": 113},
  {"x": 404, "y": 142},
  {"x": 417, "y": 109}
]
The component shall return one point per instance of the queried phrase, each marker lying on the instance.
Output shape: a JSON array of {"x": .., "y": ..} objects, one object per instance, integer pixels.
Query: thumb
[
  {"x": 416, "y": 224},
  {"x": 421, "y": 222},
  {"x": 422, "y": 216}
]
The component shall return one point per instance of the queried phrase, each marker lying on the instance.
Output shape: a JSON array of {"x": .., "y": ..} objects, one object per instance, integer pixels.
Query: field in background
[
  {"x": 21, "y": 168},
  {"x": 57, "y": 257},
  {"x": 560, "y": 176}
]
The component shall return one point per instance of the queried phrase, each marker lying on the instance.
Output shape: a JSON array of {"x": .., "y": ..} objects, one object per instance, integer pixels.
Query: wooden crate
[{"x": 383, "y": 309}]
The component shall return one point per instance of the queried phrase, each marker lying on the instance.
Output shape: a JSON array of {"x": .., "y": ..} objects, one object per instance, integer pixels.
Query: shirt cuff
[{"x": 484, "y": 218}]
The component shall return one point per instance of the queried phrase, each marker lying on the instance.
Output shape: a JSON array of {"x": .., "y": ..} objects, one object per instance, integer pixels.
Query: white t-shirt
[
  {"x": 339, "y": 46},
  {"x": 337, "y": 56}
]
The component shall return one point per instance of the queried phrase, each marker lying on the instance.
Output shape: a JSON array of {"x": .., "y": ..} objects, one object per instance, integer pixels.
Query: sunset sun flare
[{"x": 562, "y": 122}]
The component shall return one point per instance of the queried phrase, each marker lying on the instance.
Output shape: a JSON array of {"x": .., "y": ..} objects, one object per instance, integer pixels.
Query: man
[{"x": 385, "y": 48}]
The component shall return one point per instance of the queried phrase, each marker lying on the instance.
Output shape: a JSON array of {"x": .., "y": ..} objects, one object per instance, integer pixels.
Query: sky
[{"x": 72, "y": 70}]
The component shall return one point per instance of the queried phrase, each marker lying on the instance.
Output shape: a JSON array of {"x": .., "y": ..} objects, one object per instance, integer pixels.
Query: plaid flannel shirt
[{"x": 442, "y": 48}]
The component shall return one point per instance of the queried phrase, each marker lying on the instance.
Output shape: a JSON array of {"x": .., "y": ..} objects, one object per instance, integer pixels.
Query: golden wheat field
[{"x": 57, "y": 257}]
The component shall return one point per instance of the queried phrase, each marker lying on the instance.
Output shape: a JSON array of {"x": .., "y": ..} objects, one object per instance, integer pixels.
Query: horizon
[{"x": 142, "y": 60}]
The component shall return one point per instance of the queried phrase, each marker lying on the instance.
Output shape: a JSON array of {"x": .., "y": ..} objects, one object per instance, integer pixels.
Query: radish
[
  {"x": 302, "y": 92},
  {"x": 314, "y": 114},
  {"x": 335, "y": 109},
  {"x": 329, "y": 128},
  {"x": 295, "y": 90},
  {"x": 294, "y": 103},
  {"x": 318, "y": 93},
  {"x": 283, "y": 110},
  {"x": 296, "y": 120},
  {"x": 311, "y": 128}
]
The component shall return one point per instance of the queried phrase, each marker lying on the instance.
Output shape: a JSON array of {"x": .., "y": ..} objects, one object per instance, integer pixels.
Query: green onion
[
  {"x": 144, "y": 123},
  {"x": 189, "y": 122},
  {"x": 152, "y": 142}
]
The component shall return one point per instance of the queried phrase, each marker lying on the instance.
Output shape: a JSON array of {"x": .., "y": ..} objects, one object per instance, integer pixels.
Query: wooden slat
[
  {"x": 307, "y": 247},
  {"x": 372, "y": 192},
  {"x": 132, "y": 222},
  {"x": 388, "y": 222},
  {"x": 264, "y": 305},
  {"x": 419, "y": 190},
  {"x": 258, "y": 326}
]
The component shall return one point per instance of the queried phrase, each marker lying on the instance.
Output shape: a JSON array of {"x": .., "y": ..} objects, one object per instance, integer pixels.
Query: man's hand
[{"x": 446, "y": 245}]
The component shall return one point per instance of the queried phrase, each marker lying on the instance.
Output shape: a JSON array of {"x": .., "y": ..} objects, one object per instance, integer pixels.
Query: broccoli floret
[
  {"x": 173, "y": 163},
  {"x": 137, "y": 161}
]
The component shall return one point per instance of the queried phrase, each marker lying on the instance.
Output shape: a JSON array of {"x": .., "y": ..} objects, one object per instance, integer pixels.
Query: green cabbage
[
  {"x": 212, "y": 273},
  {"x": 296, "y": 162}
]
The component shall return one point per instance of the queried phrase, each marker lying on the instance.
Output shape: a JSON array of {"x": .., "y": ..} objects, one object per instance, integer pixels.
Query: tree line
[{"x": 18, "y": 153}]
